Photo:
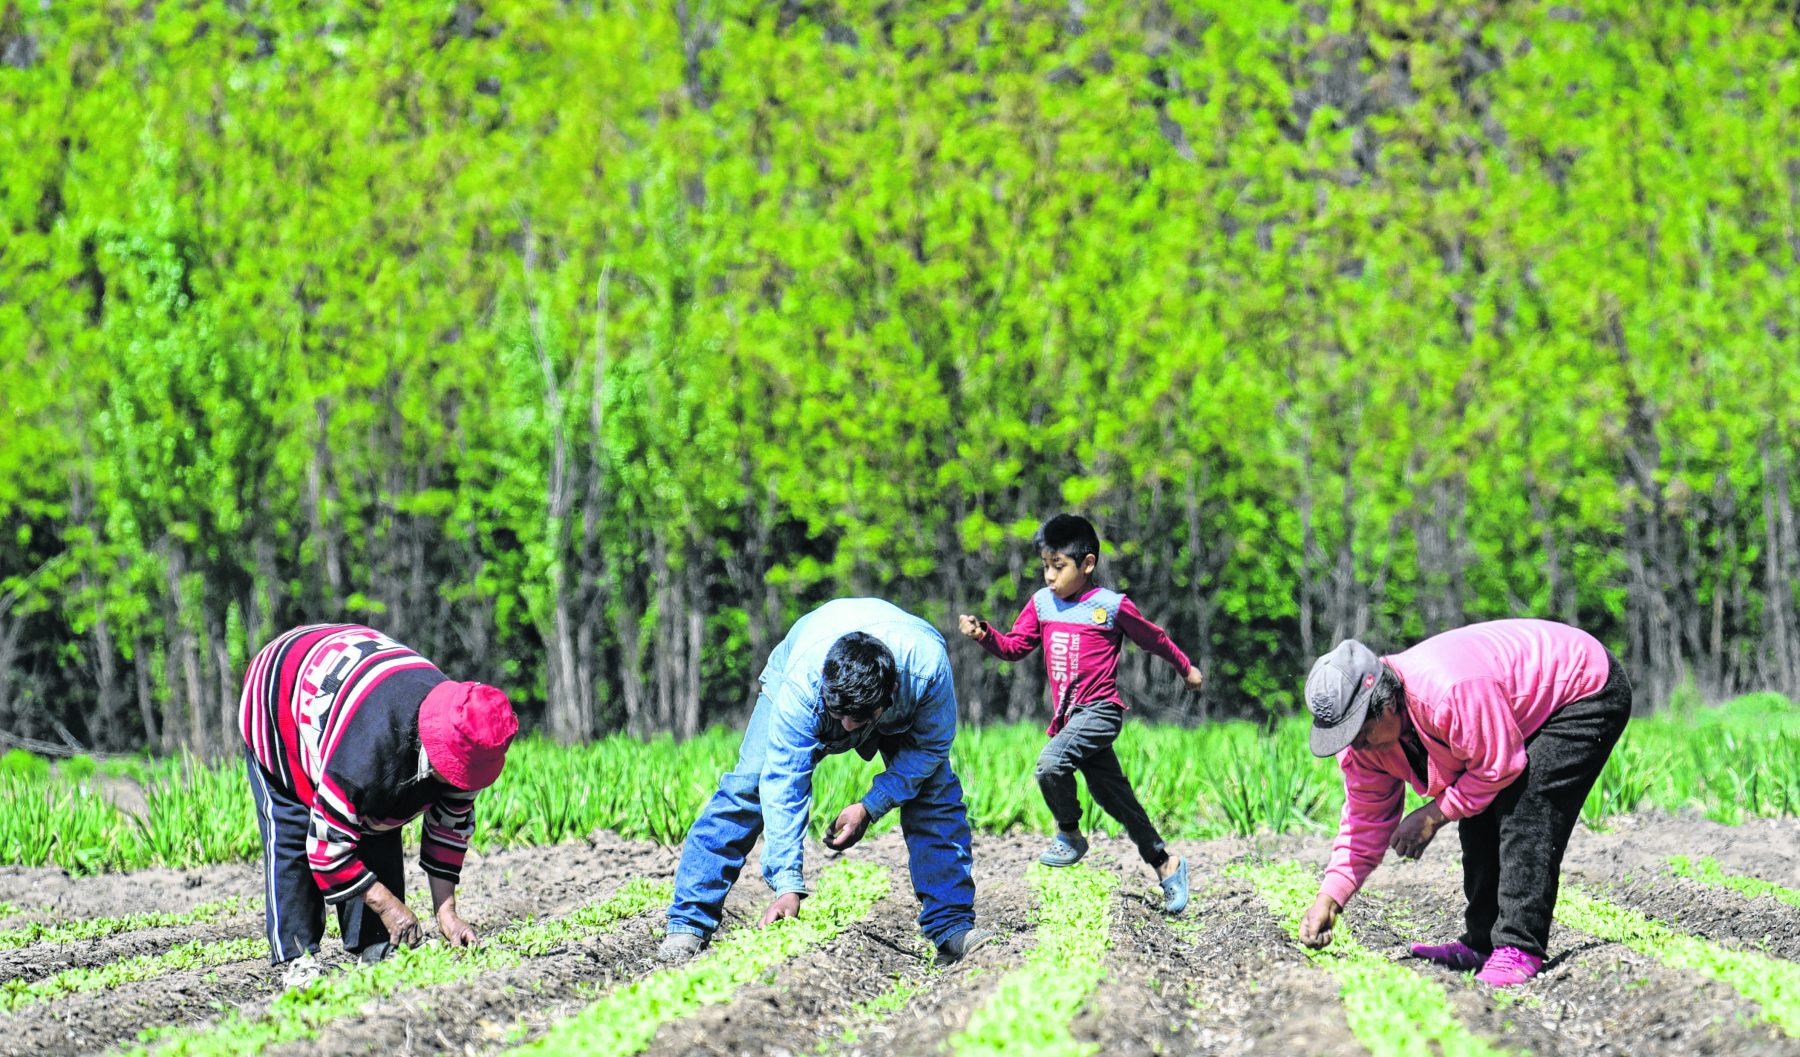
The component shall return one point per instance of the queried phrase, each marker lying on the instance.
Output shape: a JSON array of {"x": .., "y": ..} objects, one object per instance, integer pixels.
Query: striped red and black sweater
[{"x": 331, "y": 713}]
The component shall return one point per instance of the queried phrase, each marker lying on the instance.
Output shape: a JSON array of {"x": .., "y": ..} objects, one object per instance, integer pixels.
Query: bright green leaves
[
  {"x": 302, "y": 1012},
  {"x": 549, "y": 323},
  {"x": 98, "y": 928},
  {"x": 1031, "y": 1009},
  {"x": 1706, "y": 870},
  {"x": 17, "y": 993},
  {"x": 624, "y": 1022},
  {"x": 1392, "y": 1010},
  {"x": 1771, "y": 983}
]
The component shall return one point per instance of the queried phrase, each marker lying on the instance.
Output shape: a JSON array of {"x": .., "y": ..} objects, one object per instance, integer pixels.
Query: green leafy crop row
[
  {"x": 1771, "y": 983},
  {"x": 1706, "y": 870},
  {"x": 1031, "y": 1010},
  {"x": 98, "y": 928},
  {"x": 1392, "y": 1010},
  {"x": 17, "y": 993},
  {"x": 302, "y": 1012},
  {"x": 624, "y": 1022}
]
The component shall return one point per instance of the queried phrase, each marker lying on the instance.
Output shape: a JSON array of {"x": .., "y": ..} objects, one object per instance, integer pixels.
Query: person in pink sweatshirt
[
  {"x": 1082, "y": 628},
  {"x": 1504, "y": 726}
]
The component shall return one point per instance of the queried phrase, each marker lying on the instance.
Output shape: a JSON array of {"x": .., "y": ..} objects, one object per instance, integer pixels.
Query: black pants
[
  {"x": 1085, "y": 744},
  {"x": 293, "y": 906},
  {"x": 1513, "y": 851}
]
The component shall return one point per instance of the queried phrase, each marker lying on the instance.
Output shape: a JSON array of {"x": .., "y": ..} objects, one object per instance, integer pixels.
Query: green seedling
[
  {"x": 1707, "y": 870},
  {"x": 100, "y": 928},
  {"x": 1392, "y": 1011},
  {"x": 16, "y": 994},
  {"x": 302, "y": 1012},
  {"x": 1031, "y": 1009},
  {"x": 1772, "y": 983},
  {"x": 624, "y": 1023}
]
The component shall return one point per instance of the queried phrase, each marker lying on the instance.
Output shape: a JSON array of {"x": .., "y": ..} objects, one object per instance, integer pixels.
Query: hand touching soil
[
  {"x": 456, "y": 931},
  {"x": 786, "y": 905},
  {"x": 1315, "y": 928}
]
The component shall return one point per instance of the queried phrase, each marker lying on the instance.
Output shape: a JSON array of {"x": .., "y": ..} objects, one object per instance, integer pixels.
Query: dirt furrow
[
  {"x": 92, "y": 1021},
  {"x": 812, "y": 997},
  {"x": 484, "y": 1013},
  {"x": 42, "y": 960},
  {"x": 1593, "y": 999}
]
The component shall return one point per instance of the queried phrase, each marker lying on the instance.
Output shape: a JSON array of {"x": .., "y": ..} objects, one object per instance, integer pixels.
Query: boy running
[{"x": 1082, "y": 627}]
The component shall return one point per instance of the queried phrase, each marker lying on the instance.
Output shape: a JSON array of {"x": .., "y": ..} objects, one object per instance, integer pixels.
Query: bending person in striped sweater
[{"x": 349, "y": 736}]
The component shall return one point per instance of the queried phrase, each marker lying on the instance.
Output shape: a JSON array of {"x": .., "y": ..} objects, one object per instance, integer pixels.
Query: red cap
[{"x": 465, "y": 728}]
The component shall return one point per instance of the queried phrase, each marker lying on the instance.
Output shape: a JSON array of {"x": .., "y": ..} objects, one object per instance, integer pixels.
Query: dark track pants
[
  {"x": 1513, "y": 851},
  {"x": 293, "y": 907},
  {"x": 1085, "y": 744}
]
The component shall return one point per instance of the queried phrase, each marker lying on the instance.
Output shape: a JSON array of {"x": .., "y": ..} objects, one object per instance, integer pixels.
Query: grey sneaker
[
  {"x": 1066, "y": 849},
  {"x": 1175, "y": 889},
  {"x": 962, "y": 944},
  {"x": 374, "y": 952},
  {"x": 301, "y": 972},
  {"x": 678, "y": 947}
]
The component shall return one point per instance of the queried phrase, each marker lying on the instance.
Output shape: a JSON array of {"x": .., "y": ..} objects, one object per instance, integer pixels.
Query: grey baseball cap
[{"x": 1338, "y": 691}]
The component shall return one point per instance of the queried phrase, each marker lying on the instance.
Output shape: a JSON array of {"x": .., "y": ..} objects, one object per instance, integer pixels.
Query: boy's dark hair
[
  {"x": 1068, "y": 534},
  {"x": 859, "y": 676}
]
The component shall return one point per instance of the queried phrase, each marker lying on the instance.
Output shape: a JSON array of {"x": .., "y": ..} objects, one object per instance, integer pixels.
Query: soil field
[{"x": 1669, "y": 963}]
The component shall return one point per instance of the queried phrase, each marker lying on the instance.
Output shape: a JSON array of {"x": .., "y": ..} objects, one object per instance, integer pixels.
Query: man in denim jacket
[{"x": 856, "y": 673}]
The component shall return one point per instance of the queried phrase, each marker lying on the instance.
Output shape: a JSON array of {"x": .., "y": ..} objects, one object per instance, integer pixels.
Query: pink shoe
[
  {"x": 1458, "y": 955},
  {"x": 1508, "y": 966}
]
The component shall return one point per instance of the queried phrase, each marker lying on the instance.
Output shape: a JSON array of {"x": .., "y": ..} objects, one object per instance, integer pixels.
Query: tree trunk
[
  {"x": 694, "y": 601},
  {"x": 1780, "y": 669},
  {"x": 630, "y": 635},
  {"x": 668, "y": 647},
  {"x": 146, "y": 695},
  {"x": 184, "y": 665},
  {"x": 321, "y": 490},
  {"x": 1309, "y": 545},
  {"x": 226, "y": 703},
  {"x": 1203, "y": 570},
  {"x": 105, "y": 730}
]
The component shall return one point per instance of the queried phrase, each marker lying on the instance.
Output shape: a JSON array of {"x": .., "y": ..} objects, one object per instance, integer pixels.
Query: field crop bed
[{"x": 1681, "y": 936}]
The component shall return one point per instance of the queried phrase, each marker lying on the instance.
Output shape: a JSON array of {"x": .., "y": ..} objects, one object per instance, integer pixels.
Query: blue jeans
[{"x": 934, "y": 822}]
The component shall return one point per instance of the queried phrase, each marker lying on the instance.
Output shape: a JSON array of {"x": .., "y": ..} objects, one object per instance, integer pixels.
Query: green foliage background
[{"x": 583, "y": 346}]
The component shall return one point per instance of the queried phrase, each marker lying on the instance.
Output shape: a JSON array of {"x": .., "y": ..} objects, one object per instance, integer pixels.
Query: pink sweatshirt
[
  {"x": 1474, "y": 695},
  {"x": 1082, "y": 640}
]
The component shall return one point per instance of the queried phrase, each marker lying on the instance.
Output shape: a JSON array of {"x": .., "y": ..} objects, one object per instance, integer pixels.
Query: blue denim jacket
[{"x": 922, "y": 720}]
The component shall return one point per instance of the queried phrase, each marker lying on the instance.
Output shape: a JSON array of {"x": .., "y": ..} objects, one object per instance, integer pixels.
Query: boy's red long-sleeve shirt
[{"x": 1082, "y": 639}]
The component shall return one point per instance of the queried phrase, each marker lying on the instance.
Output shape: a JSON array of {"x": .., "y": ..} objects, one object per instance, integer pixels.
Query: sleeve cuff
[
  {"x": 1339, "y": 889},
  {"x": 877, "y": 805},
  {"x": 1453, "y": 806},
  {"x": 357, "y": 888},
  {"x": 788, "y": 881},
  {"x": 439, "y": 870}
]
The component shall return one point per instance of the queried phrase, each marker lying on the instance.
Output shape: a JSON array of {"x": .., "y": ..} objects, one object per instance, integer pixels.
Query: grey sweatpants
[
  {"x": 1513, "y": 851},
  {"x": 1085, "y": 744}
]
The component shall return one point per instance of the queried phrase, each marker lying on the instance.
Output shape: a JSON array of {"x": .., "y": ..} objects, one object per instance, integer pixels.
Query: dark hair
[
  {"x": 1386, "y": 695},
  {"x": 1070, "y": 535},
  {"x": 859, "y": 676}
]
